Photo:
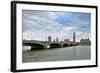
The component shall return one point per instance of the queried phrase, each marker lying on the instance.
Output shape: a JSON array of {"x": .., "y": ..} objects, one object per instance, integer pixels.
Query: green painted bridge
[{"x": 45, "y": 44}]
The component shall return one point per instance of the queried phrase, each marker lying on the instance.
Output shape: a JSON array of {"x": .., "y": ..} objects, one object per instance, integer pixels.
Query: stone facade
[{"x": 85, "y": 42}]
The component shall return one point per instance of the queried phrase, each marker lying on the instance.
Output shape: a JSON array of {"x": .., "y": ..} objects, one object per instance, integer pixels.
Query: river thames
[{"x": 56, "y": 54}]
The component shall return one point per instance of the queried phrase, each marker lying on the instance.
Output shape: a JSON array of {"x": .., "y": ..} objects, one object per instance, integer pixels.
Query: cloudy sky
[{"x": 38, "y": 25}]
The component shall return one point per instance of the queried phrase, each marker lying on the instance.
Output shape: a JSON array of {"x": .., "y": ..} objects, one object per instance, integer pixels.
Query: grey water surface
[{"x": 56, "y": 54}]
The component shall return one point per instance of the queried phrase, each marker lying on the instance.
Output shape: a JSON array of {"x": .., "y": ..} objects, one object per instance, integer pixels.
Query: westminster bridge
[{"x": 45, "y": 44}]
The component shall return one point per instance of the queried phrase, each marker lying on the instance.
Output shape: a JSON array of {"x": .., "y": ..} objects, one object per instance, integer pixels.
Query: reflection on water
[{"x": 57, "y": 54}]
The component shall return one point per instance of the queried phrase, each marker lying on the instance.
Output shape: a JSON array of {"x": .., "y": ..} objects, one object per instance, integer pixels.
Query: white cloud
[
  {"x": 40, "y": 25},
  {"x": 68, "y": 28}
]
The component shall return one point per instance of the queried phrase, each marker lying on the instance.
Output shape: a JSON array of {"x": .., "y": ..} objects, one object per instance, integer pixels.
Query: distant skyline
[{"x": 38, "y": 25}]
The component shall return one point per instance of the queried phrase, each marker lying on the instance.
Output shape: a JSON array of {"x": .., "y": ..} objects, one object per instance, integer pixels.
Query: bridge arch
[
  {"x": 35, "y": 46},
  {"x": 71, "y": 44},
  {"x": 65, "y": 45},
  {"x": 55, "y": 45}
]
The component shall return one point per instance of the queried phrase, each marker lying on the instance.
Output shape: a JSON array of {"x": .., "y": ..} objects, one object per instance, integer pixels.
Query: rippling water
[{"x": 56, "y": 54}]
